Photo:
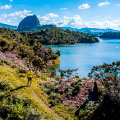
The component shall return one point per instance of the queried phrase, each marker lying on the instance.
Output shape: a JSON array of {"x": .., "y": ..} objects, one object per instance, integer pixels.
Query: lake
[{"x": 85, "y": 56}]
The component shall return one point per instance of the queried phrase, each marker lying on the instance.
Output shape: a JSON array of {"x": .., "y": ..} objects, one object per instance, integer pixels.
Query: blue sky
[{"x": 69, "y": 13}]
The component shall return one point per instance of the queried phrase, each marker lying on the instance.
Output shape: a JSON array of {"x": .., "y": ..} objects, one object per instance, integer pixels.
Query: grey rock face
[{"x": 28, "y": 23}]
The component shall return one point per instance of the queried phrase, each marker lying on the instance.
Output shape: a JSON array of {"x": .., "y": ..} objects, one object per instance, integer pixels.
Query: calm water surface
[{"x": 85, "y": 56}]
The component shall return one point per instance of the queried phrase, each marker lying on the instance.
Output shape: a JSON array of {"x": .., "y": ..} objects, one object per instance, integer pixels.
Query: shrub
[
  {"x": 21, "y": 70},
  {"x": 26, "y": 51},
  {"x": 43, "y": 77},
  {"x": 1, "y": 62}
]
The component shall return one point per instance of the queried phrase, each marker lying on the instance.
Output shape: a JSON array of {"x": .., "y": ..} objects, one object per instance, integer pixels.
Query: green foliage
[
  {"x": 5, "y": 45},
  {"x": 110, "y": 35},
  {"x": 59, "y": 36},
  {"x": 76, "y": 90},
  {"x": 16, "y": 108},
  {"x": 1, "y": 63},
  {"x": 67, "y": 73},
  {"x": 108, "y": 109},
  {"x": 43, "y": 77},
  {"x": 22, "y": 70},
  {"x": 28, "y": 49},
  {"x": 17, "y": 102},
  {"x": 108, "y": 74},
  {"x": 58, "y": 52}
]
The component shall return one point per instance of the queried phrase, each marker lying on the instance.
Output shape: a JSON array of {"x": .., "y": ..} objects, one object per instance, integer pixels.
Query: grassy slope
[{"x": 11, "y": 75}]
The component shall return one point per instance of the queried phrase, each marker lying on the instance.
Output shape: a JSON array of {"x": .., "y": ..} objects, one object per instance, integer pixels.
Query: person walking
[{"x": 29, "y": 76}]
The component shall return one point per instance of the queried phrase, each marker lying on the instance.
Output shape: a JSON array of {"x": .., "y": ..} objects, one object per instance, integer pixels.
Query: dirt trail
[{"x": 46, "y": 107}]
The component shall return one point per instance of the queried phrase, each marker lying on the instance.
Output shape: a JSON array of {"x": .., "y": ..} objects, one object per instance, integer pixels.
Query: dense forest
[
  {"x": 111, "y": 35},
  {"x": 60, "y": 36},
  {"x": 28, "y": 49}
]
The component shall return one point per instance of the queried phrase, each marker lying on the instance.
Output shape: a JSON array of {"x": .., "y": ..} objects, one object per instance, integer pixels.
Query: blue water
[{"x": 85, "y": 56}]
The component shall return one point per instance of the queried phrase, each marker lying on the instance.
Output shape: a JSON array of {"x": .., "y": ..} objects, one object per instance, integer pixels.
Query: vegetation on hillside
[
  {"x": 110, "y": 35},
  {"x": 109, "y": 77},
  {"x": 60, "y": 36},
  {"x": 28, "y": 49},
  {"x": 17, "y": 102},
  {"x": 96, "y": 98},
  {"x": 52, "y": 97}
]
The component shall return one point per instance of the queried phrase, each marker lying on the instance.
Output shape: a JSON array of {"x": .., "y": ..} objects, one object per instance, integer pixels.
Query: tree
[
  {"x": 109, "y": 76},
  {"x": 53, "y": 71},
  {"x": 58, "y": 52},
  {"x": 61, "y": 73},
  {"x": 67, "y": 73}
]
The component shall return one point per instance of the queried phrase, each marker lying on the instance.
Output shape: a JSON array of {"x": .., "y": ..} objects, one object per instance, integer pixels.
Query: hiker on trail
[{"x": 30, "y": 76}]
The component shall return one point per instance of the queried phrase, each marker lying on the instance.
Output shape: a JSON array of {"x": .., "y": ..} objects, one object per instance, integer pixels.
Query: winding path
[{"x": 46, "y": 107}]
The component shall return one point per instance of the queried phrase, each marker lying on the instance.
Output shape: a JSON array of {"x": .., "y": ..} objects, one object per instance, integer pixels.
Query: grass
[
  {"x": 66, "y": 111},
  {"x": 15, "y": 81}
]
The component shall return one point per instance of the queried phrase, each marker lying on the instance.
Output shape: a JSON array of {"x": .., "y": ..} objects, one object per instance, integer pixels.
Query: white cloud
[
  {"x": 84, "y": 6},
  {"x": 64, "y": 8},
  {"x": 5, "y": 21},
  {"x": 77, "y": 22},
  {"x": 49, "y": 16},
  {"x": 74, "y": 21},
  {"x": 11, "y": 0},
  {"x": 20, "y": 14},
  {"x": 15, "y": 17},
  {"x": 5, "y": 7},
  {"x": 104, "y": 4}
]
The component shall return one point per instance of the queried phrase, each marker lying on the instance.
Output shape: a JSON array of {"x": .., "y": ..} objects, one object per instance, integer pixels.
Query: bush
[
  {"x": 26, "y": 51},
  {"x": 1, "y": 62},
  {"x": 22, "y": 70},
  {"x": 43, "y": 77}
]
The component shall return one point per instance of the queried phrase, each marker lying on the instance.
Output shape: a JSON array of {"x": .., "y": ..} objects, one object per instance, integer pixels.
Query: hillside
[
  {"x": 59, "y": 36},
  {"x": 53, "y": 98},
  {"x": 17, "y": 55},
  {"x": 111, "y": 35},
  {"x": 8, "y": 26},
  {"x": 19, "y": 102},
  {"x": 93, "y": 31},
  {"x": 28, "y": 49}
]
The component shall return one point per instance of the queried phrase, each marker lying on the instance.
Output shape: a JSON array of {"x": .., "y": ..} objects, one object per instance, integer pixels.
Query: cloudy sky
[{"x": 68, "y": 13}]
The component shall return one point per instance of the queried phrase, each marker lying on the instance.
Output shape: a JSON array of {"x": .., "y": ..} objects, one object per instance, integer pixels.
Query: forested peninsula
[
  {"x": 59, "y": 36},
  {"x": 110, "y": 35}
]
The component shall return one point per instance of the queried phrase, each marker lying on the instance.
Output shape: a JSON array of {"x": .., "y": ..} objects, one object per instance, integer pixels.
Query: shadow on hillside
[
  {"x": 9, "y": 93},
  {"x": 92, "y": 96},
  {"x": 18, "y": 88},
  {"x": 109, "y": 109}
]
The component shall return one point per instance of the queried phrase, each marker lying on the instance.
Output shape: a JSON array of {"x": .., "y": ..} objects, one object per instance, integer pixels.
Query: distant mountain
[
  {"x": 29, "y": 23},
  {"x": 8, "y": 26},
  {"x": 93, "y": 31},
  {"x": 110, "y": 35},
  {"x": 32, "y": 23},
  {"x": 47, "y": 27}
]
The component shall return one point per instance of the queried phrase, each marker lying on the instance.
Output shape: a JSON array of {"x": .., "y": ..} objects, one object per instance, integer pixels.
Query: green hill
[
  {"x": 110, "y": 35},
  {"x": 8, "y": 26},
  {"x": 18, "y": 102},
  {"x": 59, "y": 36},
  {"x": 17, "y": 54},
  {"x": 28, "y": 49}
]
